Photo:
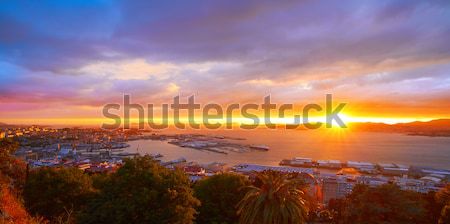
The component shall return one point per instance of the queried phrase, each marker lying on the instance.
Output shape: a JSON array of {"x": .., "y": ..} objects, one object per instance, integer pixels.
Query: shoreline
[{"x": 225, "y": 157}]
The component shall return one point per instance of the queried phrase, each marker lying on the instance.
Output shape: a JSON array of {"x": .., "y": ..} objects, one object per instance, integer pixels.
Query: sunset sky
[{"x": 61, "y": 61}]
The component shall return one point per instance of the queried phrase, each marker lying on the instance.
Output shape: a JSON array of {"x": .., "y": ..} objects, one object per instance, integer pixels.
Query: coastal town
[
  {"x": 99, "y": 151},
  {"x": 225, "y": 112}
]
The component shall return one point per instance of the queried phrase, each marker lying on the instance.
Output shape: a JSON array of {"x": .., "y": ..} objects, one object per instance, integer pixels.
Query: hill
[{"x": 439, "y": 127}]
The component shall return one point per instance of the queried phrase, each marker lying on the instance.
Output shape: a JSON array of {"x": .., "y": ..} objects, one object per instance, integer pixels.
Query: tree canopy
[
  {"x": 56, "y": 192},
  {"x": 219, "y": 195},
  {"x": 8, "y": 146},
  {"x": 142, "y": 191},
  {"x": 384, "y": 204},
  {"x": 12, "y": 169},
  {"x": 443, "y": 198}
]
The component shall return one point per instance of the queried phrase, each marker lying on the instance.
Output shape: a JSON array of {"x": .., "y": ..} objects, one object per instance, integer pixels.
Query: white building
[
  {"x": 329, "y": 163},
  {"x": 362, "y": 166},
  {"x": 336, "y": 187},
  {"x": 301, "y": 161},
  {"x": 248, "y": 168}
]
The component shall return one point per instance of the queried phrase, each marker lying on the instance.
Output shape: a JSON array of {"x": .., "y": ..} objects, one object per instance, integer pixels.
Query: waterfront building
[
  {"x": 372, "y": 181},
  {"x": 215, "y": 167},
  {"x": 429, "y": 171},
  {"x": 249, "y": 168},
  {"x": 194, "y": 170},
  {"x": 335, "y": 164},
  {"x": 362, "y": 166},
  {"x": 301, "y": 161},
  {"x": 395, "y": 171}
]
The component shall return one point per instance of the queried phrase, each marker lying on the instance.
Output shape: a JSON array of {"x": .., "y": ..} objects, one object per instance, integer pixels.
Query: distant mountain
[
  {"x": 440, "y": 127},
  {"x": 4, "y": 125},
  {"x": 433, "y": 124}
]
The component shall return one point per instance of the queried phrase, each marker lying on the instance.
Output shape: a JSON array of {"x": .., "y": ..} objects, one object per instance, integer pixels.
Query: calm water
[{"x": 285, "y": 144}]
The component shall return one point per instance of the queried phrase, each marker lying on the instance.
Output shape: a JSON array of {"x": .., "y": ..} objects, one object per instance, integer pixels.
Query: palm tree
[
  {"x": 277, "y": 198},
  {"x": 443, "y": 196}
]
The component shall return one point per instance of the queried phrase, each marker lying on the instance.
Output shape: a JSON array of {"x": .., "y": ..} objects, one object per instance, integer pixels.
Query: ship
[{"x": 260, "y": 147}]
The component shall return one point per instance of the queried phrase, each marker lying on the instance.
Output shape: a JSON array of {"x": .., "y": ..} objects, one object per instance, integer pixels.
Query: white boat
[{"x": 260, "y": 147}]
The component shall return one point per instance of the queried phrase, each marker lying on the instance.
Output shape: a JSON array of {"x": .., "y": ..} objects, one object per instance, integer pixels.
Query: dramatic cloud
[{"x": 79, "y": 55}]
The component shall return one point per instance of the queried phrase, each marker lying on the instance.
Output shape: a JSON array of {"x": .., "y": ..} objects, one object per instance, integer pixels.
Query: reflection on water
[{"x": 328, "y": 144}]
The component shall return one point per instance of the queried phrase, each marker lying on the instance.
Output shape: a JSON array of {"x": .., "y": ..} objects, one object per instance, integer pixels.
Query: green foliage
[
  {"x": 142, "y": 191},
  {"x": 219, "y": 196},
  {"x": 387, "y": 204},
  {"x": 276, "y": 198},
  {"x": 8, "y": 146},
  {"x": 384, "y": 204},
  {"x": 325, "y": 216},
  {"x": 432, "y": 206},
  {"x": 443, "y": 198},
  {"x": 445, "y": 215},
  {"x": 56, "y": 192},
  {"x": 337, "y": 206},
  {"x": 12, "y": 169}
]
